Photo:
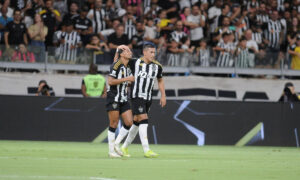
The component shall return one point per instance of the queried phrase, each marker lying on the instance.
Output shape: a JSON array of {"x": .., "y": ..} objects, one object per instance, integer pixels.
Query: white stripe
[
  {"x": 118, "y": 86},
  {"x": 123, "y": 95},
  {"x": 141, "y": 93},
  {"x": 149, "y": 78},
  {"x": 136, "y": 72},
  {"x": 152, "y": 84}
]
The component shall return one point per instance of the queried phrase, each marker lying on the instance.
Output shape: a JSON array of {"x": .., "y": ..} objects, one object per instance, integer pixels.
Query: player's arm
[
  {"x": 112, "y": 81},
  {"x": 161, "y": 87},
  {"x": 104, "y": 93},
  {"x": 83, "y": 89},
  {"x": 123, "y": 47}
]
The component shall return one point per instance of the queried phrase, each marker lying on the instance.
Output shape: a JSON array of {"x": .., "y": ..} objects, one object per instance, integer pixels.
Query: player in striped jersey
[
  {"x": 145, "y": 70},
  {"x": 117, "y": 102}
]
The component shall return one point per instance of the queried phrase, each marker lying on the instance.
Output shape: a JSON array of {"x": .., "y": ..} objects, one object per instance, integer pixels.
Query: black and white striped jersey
[
  {"x": 280, "y": 5},
  {"x": 262, "y": 18},
  {"x": 272, "y": 31},
  {"x": 64, "y": 51},
  {"x": 257, "y": 36},
  {"x": 204, "y": 57},
  {"x": 119, "y": 92},
  {"x": 145, "y": 75},
  {"x": 178, "y": 35},
  {"x": 98, "y": 19},
  {"x": 130, "y": 29},
  {"x": 224, "y": 58}
]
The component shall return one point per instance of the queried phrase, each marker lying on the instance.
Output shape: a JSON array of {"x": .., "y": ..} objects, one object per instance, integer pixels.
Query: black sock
[{"x": 111, "y": 129}]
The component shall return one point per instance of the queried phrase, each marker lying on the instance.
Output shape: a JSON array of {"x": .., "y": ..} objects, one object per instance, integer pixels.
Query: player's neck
[
  {"x": 124, "y": 61},
  {"x": 147, "y": 61}
]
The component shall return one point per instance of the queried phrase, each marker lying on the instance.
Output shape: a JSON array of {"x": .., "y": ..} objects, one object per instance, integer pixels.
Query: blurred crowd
[{"x": 222, "y": 33}]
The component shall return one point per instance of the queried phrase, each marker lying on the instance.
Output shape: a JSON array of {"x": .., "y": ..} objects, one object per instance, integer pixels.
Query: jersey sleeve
[
  {"x": 114, "y": 69},
  {"x": 160, "y": 72}
]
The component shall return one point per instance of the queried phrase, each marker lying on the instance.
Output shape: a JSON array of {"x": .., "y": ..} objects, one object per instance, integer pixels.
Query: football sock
[
  {"x": 111, "y": 139},
  {"x": 143, "y": 134},
  {"x": 131, "y": 135},
  {"x": 123, "y": 132}
]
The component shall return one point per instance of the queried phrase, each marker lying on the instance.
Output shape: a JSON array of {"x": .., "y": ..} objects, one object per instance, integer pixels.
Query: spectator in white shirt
[{"x": 196, "y": 22}]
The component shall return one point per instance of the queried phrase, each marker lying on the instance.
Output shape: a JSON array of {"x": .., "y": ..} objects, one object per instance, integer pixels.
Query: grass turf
[{"x": 65, "y": 160}]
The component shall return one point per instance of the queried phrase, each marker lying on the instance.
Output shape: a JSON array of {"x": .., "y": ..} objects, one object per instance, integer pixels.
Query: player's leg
[
  {"x": 113, "y": 123},
  {"x": 126, "y": 115},
  {"x": 143, "y": 131},
  {"x": 136, "y": 103},
  {"x": 131, "y": 135}
]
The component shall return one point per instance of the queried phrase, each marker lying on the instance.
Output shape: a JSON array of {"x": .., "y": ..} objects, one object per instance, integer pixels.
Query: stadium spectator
[
  {"x": 67, "y": 43},
  {"x": 151, "y": 31},
  {"x": 225, "y": 28},
  {"x": 242, "y": 60},
  {"x": 262, "y": 15},
  {"x": 23, "y": 55},
  {"x": 98, "y": 17},
  {"x": 15, "y": 31},
  {"x": 213, "y": 13},
  {"x": 178, "y": 33},
  {"x": 10, "y": 11},
  {"x": 61, "y": 7},
  {"x": 105, "y": 33},
  {"x": 138, "y": 39},
  {"x": 3, "y": 21},
  {"x": 37, "y": 33},
  {"x": 83, "y": 25},
  {"x": 73, "y": 12},
  {"x": 196, "y": 23},
  {"x": 50, "y": 18},
  {"x": 44, "y": 89},
  {"x": 289, "y": 94},
  {"x": 185, "y": 13},
  {"x": 100, "y": 50},
  {"x": 173, "y": 53},
  {"x": 203, "y": 55},
  {"x": 129, "y": 21},
  {"x": 35, "y": 6},
  {"x": 273, "y": 30},
  {"x": 224, "y": 51},
  {"x": 186, "y": 56},
  {"x": 118, "y": 38},
  {"x": 251, "y": 46},
  {"x": 295, "y": 52},
  {"x": 93, "y": 84}
]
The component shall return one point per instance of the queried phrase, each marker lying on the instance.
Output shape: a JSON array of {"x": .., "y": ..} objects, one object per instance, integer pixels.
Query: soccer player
[
  {"x": 117, "y": 102},
  {"x": 145, "y": 71}
]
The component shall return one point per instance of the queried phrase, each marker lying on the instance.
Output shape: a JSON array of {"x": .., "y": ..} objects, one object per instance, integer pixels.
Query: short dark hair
[
  {"x": 148, "y": 45},
  {"x": 288, "y": 84},
  {"x": 93, "y": 68}
]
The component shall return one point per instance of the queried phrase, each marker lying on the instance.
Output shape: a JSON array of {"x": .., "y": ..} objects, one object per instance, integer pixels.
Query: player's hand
[
  {"x": 130, "y": 78},
  {"x": 163, "y": 101}
]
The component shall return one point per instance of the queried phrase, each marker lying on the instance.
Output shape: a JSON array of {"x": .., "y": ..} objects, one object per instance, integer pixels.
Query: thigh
[{"x": 127, "y": 117}]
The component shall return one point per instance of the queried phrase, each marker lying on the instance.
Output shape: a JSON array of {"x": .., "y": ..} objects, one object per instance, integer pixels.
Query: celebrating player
[
  {"x": 117, "y": 102},
  {"x": 145, "y": 71}
]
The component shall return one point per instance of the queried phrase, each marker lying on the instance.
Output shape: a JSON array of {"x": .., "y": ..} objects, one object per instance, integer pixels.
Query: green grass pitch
[{"x": 24, "y": 160}]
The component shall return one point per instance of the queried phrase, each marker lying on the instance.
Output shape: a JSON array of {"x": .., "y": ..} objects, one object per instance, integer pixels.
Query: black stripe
[{"x": 145, "y": 79}]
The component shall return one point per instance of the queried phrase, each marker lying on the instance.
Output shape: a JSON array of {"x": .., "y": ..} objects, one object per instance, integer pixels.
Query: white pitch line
[{"x": 52, "y": 177}]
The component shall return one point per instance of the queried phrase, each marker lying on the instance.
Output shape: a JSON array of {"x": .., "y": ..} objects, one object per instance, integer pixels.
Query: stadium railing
[{"x": 55, "y": 59}]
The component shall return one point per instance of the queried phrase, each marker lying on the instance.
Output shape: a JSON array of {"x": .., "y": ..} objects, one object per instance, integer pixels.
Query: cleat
[
  {"x": 118, "y": 150},
  {"x": 125, "y": 152},
  {"x": 114, "y": 155},
  {"x": 151, "y": 154}
]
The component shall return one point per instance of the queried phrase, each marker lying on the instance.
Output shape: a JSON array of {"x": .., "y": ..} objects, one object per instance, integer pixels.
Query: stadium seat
[
  {"x": 197, "y": 91},
  {"x": 72, "y": 91},
  {"x": 226, "y": 94},
  {"x": 255, "y": 96}
]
